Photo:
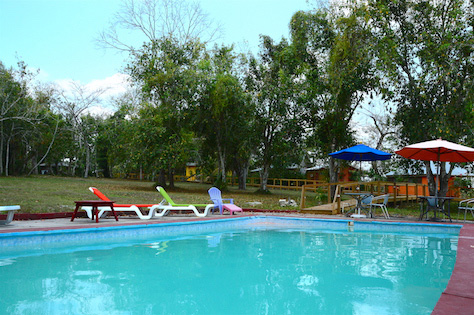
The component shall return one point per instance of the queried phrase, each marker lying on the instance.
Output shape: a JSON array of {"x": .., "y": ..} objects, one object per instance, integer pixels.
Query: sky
[{"x": 58, "y": 36}]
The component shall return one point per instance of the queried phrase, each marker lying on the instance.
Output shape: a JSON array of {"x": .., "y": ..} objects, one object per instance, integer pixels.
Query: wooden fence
[{"x": 399, "y": 192}]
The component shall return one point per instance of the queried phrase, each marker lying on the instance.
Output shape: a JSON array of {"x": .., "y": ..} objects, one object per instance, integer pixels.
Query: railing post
[
  {"x": 395, "y": 192},
  {"x": 406, "y": 191},
  {"x": 303, "y": 192}
]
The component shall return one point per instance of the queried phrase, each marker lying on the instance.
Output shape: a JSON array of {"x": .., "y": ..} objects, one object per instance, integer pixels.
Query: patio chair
[
  {"x": 167, "y": 204},
  {"x": 119, "y": 207},
  {"x": 216, "y": 198},
  {"x": 365, "y": 204},
  {"x": 431, "y": 205},
  {"x": 383, "y": 205},
  {"x": 466, "y": 205},
  {"x": 10, "y": 213}
]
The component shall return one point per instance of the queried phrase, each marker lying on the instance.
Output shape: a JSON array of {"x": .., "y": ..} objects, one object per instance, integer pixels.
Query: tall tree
[
  {"x": 151, "y": 20},
  {"x": 336, "y": 64},
  {"x": 272, "y": 84},
  {"x": 425, "y": 51},
  {"x": 23, "y": 120},
  {"x": 74, "y": 107},
  {"x": 222, "y": 115},
  {"x": 166, "y": 72}
]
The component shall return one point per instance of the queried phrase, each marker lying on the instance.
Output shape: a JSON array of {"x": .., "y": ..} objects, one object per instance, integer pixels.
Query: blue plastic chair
[{"x": 216, "y": 198}]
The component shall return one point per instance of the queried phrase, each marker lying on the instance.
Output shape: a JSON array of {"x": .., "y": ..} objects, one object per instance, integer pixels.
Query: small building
[
  {"x": 322, "y": 173},
  {"x": 191, "y": 171}
]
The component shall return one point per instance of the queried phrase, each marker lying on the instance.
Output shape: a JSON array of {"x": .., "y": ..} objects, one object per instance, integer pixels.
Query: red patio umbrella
[{"x": 438, "y": 151}]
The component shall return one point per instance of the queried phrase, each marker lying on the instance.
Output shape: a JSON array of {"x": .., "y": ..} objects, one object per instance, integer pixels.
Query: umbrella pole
[{"x": 437, "y": 175}]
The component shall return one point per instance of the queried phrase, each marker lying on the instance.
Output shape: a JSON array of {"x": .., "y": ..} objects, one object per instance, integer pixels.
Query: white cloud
[{"x": 112, "y": 86}]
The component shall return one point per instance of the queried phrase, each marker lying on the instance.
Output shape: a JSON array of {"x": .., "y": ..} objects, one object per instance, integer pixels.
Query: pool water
[{"x": 240, "y": 271}]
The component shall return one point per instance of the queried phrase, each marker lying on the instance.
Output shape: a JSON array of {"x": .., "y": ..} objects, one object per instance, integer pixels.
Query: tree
[
  {"x": 273, "y": 88},
  {"x": 222, "y": 115},
  {"x": 382, "y": 133},
  {"x": 83, "y": 126},
  {"x": 24, "y": 121},
  {"x": 333, "y": 54},
  {"x": 154, "y": 19},
  {"x": 425, "y": 53},
  {"x": 166, "y": 72}
]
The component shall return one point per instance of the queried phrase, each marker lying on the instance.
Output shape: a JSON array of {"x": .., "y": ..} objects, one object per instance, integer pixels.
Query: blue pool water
[{"x": 247, "y": 266}]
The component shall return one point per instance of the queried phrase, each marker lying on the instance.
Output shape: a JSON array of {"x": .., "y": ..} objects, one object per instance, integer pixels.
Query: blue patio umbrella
[{"x": 361, "y": 152}]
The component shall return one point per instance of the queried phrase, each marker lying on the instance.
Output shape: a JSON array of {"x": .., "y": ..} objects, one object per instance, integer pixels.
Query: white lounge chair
[
  {"x": 10, "y": 213},
  {"x": 167, "y": 205},
  {"x": 119, "y": 207}
]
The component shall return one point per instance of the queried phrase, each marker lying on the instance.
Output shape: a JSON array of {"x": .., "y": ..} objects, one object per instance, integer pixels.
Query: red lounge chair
[{"x": 120, "y": 207}]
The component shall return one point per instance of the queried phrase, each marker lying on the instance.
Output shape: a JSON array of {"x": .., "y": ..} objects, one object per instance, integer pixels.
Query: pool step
[{"x": 331, "y": 208}]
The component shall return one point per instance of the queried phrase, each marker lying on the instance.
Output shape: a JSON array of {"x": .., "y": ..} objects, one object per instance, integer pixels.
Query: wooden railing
[
  {"x": 378, "y": 187},
  {"x": 399, "y": 191},
  {"x": 275, "y": 183}
]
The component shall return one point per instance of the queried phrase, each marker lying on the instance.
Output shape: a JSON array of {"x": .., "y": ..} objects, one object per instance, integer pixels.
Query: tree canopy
[{"x": 230, "y": 112}]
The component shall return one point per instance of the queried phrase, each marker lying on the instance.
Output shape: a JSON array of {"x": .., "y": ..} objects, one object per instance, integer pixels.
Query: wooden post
[
  {"x": 303, "y": 192},
  {"x": 406, "y": 191},
  {"x": 395, "y": 193},
  {"x": 329, "y": 192}
]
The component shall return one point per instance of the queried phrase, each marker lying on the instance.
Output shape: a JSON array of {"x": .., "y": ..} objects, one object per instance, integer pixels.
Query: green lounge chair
[{"x": 167, "y": 204}]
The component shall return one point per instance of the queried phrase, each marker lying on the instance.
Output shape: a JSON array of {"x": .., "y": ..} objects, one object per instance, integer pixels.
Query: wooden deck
[{"x": 332, "y": 208}]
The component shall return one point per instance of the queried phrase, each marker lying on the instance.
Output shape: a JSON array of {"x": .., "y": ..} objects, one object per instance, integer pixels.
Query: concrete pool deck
[{"x": 457, "y": 298}]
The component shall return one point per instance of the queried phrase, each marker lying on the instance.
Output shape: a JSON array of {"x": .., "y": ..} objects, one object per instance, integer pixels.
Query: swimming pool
[{"x": 233, "y": 266}]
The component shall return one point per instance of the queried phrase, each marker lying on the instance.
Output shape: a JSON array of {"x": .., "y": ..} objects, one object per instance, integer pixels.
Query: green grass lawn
[
  {"x": 46, "y": 194},
  {"x": 43, "y": 194}
]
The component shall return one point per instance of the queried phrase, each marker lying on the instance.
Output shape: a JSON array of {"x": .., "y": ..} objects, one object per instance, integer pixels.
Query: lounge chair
[
  {"x": 10, "y": 213},
  {"x": 119, "y": 207},
  {"x": 167, "y": 204},
  {"x": 216, "y": 198},
  {"x": 382, "y": 206}
]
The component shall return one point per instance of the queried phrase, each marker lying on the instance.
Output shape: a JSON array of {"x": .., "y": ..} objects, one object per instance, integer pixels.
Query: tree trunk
[
  {"x": 443, "y": 179},
  {"x": 161, "y": 178},
  {"x": 264, "y": 177},
  {"x": 222, "y": 180},
  {"x": 2, "y": 139},
  {"x": 171, "y": 177},
  {"x": 431, "y": 179},
  {"x": 333, "y": 175},
  {"x": 7, "y": 157},
  {"x": 242, "y": 172},
  {"x": 88, "y": 157}
]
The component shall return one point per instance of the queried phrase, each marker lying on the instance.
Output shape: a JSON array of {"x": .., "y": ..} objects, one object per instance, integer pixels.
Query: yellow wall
[{"x": 190, "y": 172}]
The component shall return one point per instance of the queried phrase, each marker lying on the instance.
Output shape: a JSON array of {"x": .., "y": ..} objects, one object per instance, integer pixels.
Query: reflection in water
[{"x": 253, "y": 272}]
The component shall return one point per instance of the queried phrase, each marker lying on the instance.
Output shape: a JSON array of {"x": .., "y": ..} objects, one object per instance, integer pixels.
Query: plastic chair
[
  {"x": 119, "y": 207},
  {"x": 431, "y": 205},
  {"x": 167, "y": 204},
  {"x": 466, "y": 205},
  {"x": 365, "y": 204},
  {"x": 216, "y": 198},
  {"x": 382, "y": 206}
]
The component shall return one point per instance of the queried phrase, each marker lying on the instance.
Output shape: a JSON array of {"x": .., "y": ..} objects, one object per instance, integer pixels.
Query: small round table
[{"x": 95, "y": 204}]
